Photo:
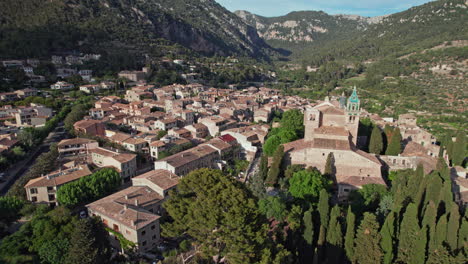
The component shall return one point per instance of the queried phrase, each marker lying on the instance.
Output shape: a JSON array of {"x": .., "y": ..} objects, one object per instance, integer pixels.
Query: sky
[{"x": 353, "y": 7}]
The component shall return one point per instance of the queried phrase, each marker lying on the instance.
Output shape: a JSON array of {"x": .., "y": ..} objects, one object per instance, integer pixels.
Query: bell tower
[
  {"x": 311, "y": 121},
  {"x": 353, "y": 112}
]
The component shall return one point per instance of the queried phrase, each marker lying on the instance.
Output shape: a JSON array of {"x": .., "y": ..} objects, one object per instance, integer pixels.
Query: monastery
[{"x": 332, "y": 127}]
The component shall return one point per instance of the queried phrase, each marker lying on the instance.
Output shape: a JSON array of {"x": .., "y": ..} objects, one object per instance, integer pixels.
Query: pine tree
[
  {"x": 308, "y": 227},
  {"x": 324, "y": 207},
  {"x": 394, "y": 147},
  {"x": 459, "y": 149},
  {"x": 334, "y": 237},
  {"x": 453, "y": 226},
  {"x": 330, "y": 165},
  {"x": 349, "y": 238},
  {"x": 376, "y": 141},
  {"x": 388, "y": 236},
  {"x": 89, "y": 243},
  {"x": 409, "y": 236},
  {"x": 367, "y": 243}
]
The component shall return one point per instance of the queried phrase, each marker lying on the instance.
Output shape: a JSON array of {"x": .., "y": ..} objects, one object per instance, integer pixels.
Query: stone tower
[
  {"x": 353, "y": 112},
  {"x": 311, "y": 121}
]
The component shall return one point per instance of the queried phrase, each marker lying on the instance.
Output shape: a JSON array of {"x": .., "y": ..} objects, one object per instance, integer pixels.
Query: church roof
[{"x": 330, "y": 110}]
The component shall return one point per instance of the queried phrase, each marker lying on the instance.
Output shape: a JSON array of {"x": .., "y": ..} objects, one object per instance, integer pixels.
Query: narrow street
[{"x": 20, "y": 168}]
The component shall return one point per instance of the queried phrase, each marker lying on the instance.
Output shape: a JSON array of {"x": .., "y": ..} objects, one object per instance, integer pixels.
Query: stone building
[{"x": 332, "y": 127}]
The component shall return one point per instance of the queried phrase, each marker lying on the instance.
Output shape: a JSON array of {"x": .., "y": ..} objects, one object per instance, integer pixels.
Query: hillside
[
  {"x": 38, "y": 27},
  {"x": 297, "y": 30},
  {"x": 413, "y": 30}
]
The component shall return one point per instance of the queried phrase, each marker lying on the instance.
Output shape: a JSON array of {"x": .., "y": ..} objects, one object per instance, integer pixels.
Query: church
[{"x": 332, "y": 127}]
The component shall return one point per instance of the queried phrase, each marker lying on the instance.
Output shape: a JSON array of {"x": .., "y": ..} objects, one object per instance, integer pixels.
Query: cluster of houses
[
  {"x": 34, "y": 115},
  {"x": 179, "y": 128}
]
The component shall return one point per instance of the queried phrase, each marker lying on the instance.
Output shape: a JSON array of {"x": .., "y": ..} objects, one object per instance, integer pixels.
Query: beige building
[
  {"x": 333, "y": 129},
  {"x": 76, "y": 146},
  {"x": 35, "y": 115},
  {"x": 134, "y": 212},
  {"x": 124, "y": 163},
  {"x": 43, "y": 189},
  {"x": 182, "y": 163}
]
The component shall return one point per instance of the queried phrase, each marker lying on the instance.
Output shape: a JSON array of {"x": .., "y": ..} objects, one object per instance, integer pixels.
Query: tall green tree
[
  {"x": 273, "y": 207},
  {"x": 217, "y": 212},
  {"x": 459, "y": 149},
  {"x": 334, "y": 237},
  {"x": 376, "y": 141},
  {"x": 308, "y": 227},
  {"x": 330, "y": 165},
  {"x": 409, "y": 237},
  {"x": 306, "y": 184},
  {"x": 453, "y": 226},
  {"x": 394, "y": 146},
  {"x": 324, "y": 207},
  {"x": 441, "y": 232},
  {"x": 388, "y": 237},
  {"x": 350, "y": 233},
  {"x": 89, "y": 243},
  {"x": 275, "y": 168},
  {"x": 367, "y": 243}
]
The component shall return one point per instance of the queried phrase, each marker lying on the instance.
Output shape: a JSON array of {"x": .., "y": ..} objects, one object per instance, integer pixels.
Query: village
[{"x": 161, "y": 134}]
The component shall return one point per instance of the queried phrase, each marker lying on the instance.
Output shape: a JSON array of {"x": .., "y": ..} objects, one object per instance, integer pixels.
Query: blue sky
[{"x": 355, "y": 7}]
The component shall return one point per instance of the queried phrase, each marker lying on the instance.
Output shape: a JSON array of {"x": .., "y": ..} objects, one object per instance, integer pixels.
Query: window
[
  {"x": 153, "y": 237},
  {"x": 153, "y": 227},
  {"x": 143, "y": 233},
  {"x": 50, "y": 188},
  {"x": 346, "y": 190},
  {"x": 51, "y": 197},
  {"x": 34, "y": 199},
  {"x": 116, "y": 227},
  {"x": 33, "y": 190},
  {"x": 144, "y": 243}
]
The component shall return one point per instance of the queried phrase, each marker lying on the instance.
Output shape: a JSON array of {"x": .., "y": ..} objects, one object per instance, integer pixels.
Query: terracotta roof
[
  {"x": 369, "y": 156},
  {"x": 86, "y": 123},
  {"x": 330, "y": 110},
  {"x": 59, "y": 177},
  {"x": 135, "y": 141},
  {"x": 227, "y": 138},
  {"x": 330, "y": 130},
  {"x": 188, "y": 156},
  {"x": 124, "y": 157},
  {"x": 131, "y": 215},
  {"x": 120, "y": 137},
  {"x": 219, "y": 144},
  {"x": 331, "y": 144},
  {"x": 8, "y": 142},
  {"x": 297, "y": 145},
  {"x": 162, "y": 178},
  {"x": 157, "y": 144},
  {"x": 75, "y": 141}
]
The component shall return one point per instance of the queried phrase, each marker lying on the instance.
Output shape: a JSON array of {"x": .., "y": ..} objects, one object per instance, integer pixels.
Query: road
[{"x": 23, "y": 166}]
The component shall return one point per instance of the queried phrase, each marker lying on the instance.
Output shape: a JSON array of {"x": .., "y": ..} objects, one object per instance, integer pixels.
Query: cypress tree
[
  {"x": 453, "y": 226},
  {"x": 388, "y": 235},
  {"x": 446, "y": 195},
  {"x": 308, "y": 227},
  {"x": 349, "y": 238},
  {"x": 334, "y": 237},
  {"x": 414, "y": 181},
  {"x": 376, "y": 141},
  {"x": 321, "y": 243},
  {"x": 434, "y": 186},
  {"x": 420, "y": 247},
  {"x": 367, "y": 243},
  {"x": 264, "y": 167},
  {"x": 430, "y": 215},
  {"x": 409, "y": 235},
  {"x": 459, "y": 149},
  {"x": 463, "y": 233},
  {"x": 324, "y": 208},
  {"x": 441, "y": 232},
  {"x": 440, "y": 255},
  {"x": 275, "y": 169},
  {"x": 330, "y": 165},
  {"x": 394, "y": 147}
]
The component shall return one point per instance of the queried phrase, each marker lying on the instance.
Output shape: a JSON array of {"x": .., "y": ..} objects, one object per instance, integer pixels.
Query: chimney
[
  {"x": 132, "y": 222},
  {"x": 125, "y": 206},
  {"x": 126, "y": 197},
  {"x": 136, "y": 202}
]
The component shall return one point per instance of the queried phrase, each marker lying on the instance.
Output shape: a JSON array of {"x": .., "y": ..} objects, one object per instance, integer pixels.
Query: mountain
[
  {"x": 317, "y": 37},
  {"x": 305, "y": 26},
  {"x": 37, "y": 27}
]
